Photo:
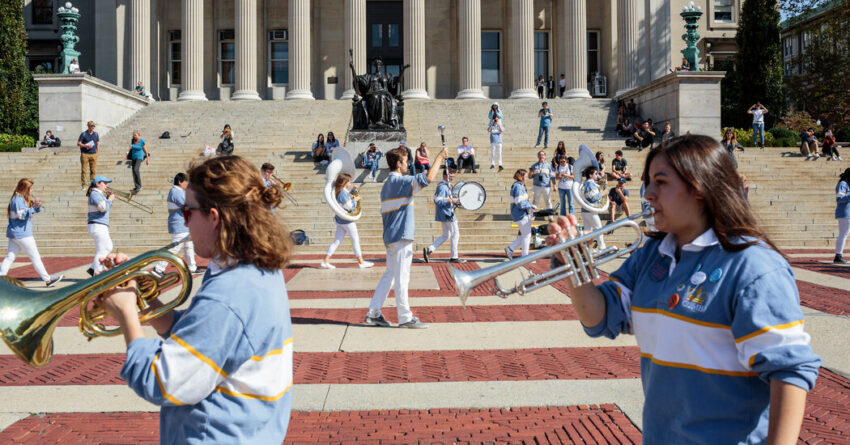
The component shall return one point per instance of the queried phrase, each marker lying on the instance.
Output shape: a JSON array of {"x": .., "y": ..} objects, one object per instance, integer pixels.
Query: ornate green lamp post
[
  {"x": 691, "y": 15},
  {"x": 69, "y": 16}
]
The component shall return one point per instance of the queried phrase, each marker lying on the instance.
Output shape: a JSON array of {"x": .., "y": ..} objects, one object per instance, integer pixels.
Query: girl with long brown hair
[
  {"x": 343, "y": 227},
  {"x": 713, "y": 306},
  {"x": 223, "y": 372},
  {"x": 22, "y": 206}
]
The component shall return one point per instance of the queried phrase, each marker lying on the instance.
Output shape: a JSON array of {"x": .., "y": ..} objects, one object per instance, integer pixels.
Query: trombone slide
[{"x": 127, "y": 197}]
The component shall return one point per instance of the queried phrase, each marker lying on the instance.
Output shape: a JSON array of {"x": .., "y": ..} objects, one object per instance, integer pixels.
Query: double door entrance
[{"x": 384, "y": 34}]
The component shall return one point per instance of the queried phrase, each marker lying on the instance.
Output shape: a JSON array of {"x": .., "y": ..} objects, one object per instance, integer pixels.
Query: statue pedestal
[{"x": 385, "y": 140}]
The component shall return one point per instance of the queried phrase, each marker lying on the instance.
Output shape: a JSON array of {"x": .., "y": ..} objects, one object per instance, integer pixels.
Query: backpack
[
  {"x": 165, "y": 135},
  {"x": 299, "y": 237}
]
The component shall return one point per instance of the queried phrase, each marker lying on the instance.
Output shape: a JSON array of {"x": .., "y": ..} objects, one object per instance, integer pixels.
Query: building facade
[{"x": 301, "y": 49}]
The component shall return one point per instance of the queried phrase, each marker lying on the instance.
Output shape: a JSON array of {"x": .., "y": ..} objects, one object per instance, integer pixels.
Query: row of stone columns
[{"x": 574, "y": 14}]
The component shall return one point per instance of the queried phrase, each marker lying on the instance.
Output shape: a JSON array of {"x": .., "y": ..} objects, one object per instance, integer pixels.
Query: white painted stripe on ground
[
  {"x": 543, "y": 296},
  {"x": 822, "y": 279}
]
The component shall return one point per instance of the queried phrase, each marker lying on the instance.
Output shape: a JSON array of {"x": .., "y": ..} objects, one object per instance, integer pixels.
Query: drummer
[{"x": 445, "y": 215}]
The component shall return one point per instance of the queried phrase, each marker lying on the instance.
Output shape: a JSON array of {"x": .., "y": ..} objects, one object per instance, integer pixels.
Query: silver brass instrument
[
  {"x": 586, "y": 159},
  {"x": 342, "y": 163},
  {"x": 128, "y": 198},
  {"x": 582, "y": 264}
]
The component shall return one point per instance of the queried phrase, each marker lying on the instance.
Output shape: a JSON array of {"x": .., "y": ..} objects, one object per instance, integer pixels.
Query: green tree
[
  {"x": 18, "y": 114},
  {"x": 759, "y": 61}
]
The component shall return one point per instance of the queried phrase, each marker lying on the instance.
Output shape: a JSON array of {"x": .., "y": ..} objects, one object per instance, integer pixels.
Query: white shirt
[
  {"x": 74, "y": 68},
  {"x": 465, "y": 151},
  {"x": 565, "y": 183},
  {"x": 758, "y": 116},
  {"x": 562, "y": 83}
]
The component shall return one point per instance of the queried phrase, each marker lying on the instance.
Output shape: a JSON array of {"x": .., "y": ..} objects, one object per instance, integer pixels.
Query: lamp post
[
  {"x": 691, "y": 14},
  {"x": 69, "y": 16}
]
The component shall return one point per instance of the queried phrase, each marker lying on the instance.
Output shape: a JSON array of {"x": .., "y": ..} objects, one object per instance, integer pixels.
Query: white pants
[
  {"x": 26, "y": 245},
  {"x": 188, "y": 253},
  {"x": 450, "y": 231},
  {"x": 843, "y": 231},
  {"x": 102, "y": 245},
  {"x": 342, "y": 230},
  {"x": 592, "y": 222},
  {"x": 397, "y": 277},
  {"x": 496, "y": 153},
  {"x": 546, "y": 193},
  {"x": 524, "y": 237}
]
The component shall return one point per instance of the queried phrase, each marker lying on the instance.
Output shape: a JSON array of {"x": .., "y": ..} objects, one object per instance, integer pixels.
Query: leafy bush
[
  {"x": 16, "y": 139},
  {"x": 745, "y": 137},
  {"x": 784, "y": 142},
  {"x": 780, "y": 132},
  {"x": 843, "y": 134},
  {"x": 800, "y": 120},
  {"x": 8, "y": 148}
]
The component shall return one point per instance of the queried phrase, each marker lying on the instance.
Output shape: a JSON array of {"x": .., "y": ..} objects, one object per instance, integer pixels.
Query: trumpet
[
  {"x": 582, "y": 262},
  {"x": 28, "y": 318},
  {"x": 128, "y": 198},
  {"x": 285, "y": 187}
]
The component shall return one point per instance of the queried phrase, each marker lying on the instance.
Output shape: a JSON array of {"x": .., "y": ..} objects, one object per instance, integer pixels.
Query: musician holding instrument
[
  {"x": 445, "y": 215},
  {"x": 591, "y": 194},
  {"x": 267, "y": 171},
  {"x": 177, "y": 225},
  {"x": 344, "y": 227},
  {"x": 22, "y": 207},
  {"x": 399, "y": 228},
  {"x": 222, "y": 370},
  {"x": 100, "y": 203},
  {"x": 712, "y": 303},
  {"x": 521, "y": 209}
]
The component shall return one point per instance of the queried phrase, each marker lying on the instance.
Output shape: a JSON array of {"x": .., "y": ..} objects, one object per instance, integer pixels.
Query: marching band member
[
  {"x": 177, "y": 225},
  {"x": 222, "y": 371},
  {"x": 21, "y": 208},
  {"x": 713, "y": 306},
  {"x": 268, "y": 174},
  {"x": 445, "y": 215},
  {"x": 100, "y": 202},
  {"x": 541, "y": 172},
  {"x": 520, "y": 207},
  {"x": 343, "y": 227},
  {"x": 398, "y": 220},
  {"x": 590, "y": 191}
]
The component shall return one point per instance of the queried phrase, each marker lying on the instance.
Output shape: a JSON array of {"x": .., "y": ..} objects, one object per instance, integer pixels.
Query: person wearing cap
[
  {"x": 89, "y": 143},
  {"x": 618, "y": 197},
  {"x": 177, "y": 225},
  {"x": 100, "y": 202}
]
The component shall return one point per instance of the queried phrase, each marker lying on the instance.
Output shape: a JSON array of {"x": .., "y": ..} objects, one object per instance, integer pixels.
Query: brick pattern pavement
[
  {"x": 53, "y": 265},
  {"x": 815, "y": 264}
]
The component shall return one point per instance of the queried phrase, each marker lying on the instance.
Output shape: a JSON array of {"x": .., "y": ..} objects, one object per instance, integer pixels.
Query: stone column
[
  {"x": 299, "y": 50},
  {"x": 193, "y": 51},
  {"x": 140, "y": 43},
  {"x": 469, "y": 36},
  {"x": 522, "y": 49},
  {"x": 355, "y": 39},
  {"x": 575, "y": 48},
  {"x": 246, "y": 51},
  {"x": 627, "y": 44},
  {"x": 414, "y": 49}
]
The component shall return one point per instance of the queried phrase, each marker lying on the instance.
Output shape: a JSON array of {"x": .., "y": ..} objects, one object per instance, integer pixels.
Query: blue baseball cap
[
  {"x": 623, "y": 180},
  {"x": 100, "y": 178}
]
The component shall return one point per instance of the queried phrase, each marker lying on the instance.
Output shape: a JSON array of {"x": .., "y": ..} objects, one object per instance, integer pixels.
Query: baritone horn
[
  {"x": 342, "y": 163},
  {"x": 28, "y": 317},
  {"x": 582, "y": 264}
]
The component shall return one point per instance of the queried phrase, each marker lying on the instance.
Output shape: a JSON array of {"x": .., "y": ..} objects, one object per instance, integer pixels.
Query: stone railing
[
  {"x": 690, "y": 100},
  {"x": 67, "y": 101}
]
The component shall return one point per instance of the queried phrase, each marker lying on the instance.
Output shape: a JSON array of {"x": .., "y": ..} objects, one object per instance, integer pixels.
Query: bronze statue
[{"x": 377, "y": 103}]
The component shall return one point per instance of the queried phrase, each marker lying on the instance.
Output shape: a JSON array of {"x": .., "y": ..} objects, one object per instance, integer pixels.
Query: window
[
  {"x": 392, "y": 34},
  {"x": 594, "y": 63},
  {"x": 491, "y": 57},
  {"x": 541, "y": 54},
  {"x": 279, "y": 57},
  {"x": 377, "y": 35},
  {"x": 175, "y": 57},
  {"x": 723, "y": 11},
  {"x": 226, "y": 56},
  {"x": 42, "y": 12}
]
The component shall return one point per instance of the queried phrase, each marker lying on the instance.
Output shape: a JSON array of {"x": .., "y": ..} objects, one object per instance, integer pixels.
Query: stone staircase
[{"x": 794, "y": 198}]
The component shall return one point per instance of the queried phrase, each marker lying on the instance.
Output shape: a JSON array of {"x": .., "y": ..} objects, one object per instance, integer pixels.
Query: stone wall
[{"x": 67, "y": 101}]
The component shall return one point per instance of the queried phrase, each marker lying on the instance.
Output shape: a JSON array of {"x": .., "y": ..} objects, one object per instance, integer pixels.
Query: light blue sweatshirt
[
  {"x": 344, "y": 199},
  {"x": 519, "y": 201},
  {"x": 20, "y": 218},
  {"x": 397, "y": 206},
  {"x": 842, "y": 199},
  {"x": 444, "y": 211},
  {"x": 176, "y": 200},
  {"x": 98, "y": 208}
]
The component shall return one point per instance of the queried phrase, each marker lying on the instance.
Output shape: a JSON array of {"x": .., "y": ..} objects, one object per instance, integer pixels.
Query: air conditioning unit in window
[
  {"x": 278, "y": 34},
  {"x": 226, "y": 34}
]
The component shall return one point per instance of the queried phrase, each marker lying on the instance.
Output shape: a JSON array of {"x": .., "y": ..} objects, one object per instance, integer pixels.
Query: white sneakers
[
  {"x": 325, "y": 265},
  {"x": 363, "y": 265}
]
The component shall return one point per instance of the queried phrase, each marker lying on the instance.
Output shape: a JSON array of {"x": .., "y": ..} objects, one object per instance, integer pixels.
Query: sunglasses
[{"x": 187, "y": 211}]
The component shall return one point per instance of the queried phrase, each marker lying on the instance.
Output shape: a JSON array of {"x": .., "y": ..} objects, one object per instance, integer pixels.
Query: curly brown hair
[{"x": 248, "y": 230}]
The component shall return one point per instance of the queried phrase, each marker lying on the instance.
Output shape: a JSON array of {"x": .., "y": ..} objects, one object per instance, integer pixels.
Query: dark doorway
[{"x": 384, "y": 34}]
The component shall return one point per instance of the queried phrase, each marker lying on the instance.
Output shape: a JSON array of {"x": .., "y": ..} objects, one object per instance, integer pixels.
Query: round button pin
[
  {"x": 673, "y": 301},
  {"x": 698, "y": 278}
]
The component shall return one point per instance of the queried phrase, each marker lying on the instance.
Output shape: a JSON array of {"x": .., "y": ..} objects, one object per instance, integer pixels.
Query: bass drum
[{"x": 470, "y": 195}]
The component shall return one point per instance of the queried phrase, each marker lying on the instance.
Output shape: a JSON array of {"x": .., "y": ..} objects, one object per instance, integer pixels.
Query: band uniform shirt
[
  {"x": 842, "y": 198},
  {"x": 713, "y": 329},
  {"x": 224, "y": 372},
  {"x": 590, "y": 191},
  {"x": 397, "y": 205},
  {"x": 267, "y": 182},
  {"x": 87, "y": 139},
  {"x": 465, "y": 151},
  {"x": 98, "y": 208},
  {"x": 565, "y": 183},
  {"x": 176, "y": 201},
  {"x": 520, "y": 204},
  {"x": 348, "y": 204},
  {"x": 541, "y": 173},
  {"x": 444, "y": 211},
  {"x": 20, "y": 218}
]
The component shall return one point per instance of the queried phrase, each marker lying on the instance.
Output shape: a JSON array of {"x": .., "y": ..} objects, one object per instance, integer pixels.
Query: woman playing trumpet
[
  {"x": 222, "y": 370},
  {"x": 21, "y": 209},
  {"x": 713, "y": 306},
  {"x": 343, "y": 227}
]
